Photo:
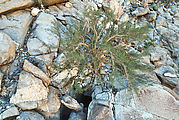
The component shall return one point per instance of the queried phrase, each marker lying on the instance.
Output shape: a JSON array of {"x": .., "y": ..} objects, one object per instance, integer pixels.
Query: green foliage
[{"x": 96, "y": 40}]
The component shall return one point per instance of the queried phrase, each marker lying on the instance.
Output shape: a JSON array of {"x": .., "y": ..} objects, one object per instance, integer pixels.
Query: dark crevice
[
  {"x": 65, "y": 112},
  {"x": 164, "y": 83}
]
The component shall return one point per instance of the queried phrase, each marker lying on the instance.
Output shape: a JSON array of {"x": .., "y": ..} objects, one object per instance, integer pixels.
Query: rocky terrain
[{"x": 30, "y": 89}]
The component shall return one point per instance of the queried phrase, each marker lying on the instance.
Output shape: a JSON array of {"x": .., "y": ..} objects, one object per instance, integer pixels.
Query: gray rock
[
  {"x": 71, "y": 103},
  {"x": 16, "y": 25},
  {"x": 124, "y": 18},
  {"x": 151, "y": 16},
  {"x": 176, "y": 21},
  {"x": 7, "y": 49},
  {"x": 161, "y": 21},
  {"x": 29, "y": 89},
  {"x": 44, "y": 30},
  {"x": 97, "y": 111},
  {"x": 123, "y": 112},
  {"x": 30, "y": 115},
  {"x": 77, "y": 116},
  {"x": 165, "y": 79},
  {"x": 58, "y": 79},
  {"x": 167, "y": 106},
  {"x": 10, "y": 112},
  {"x": 52, "y": 104},
  {"x": 37, "y": 47},
  {"x": 160, "y": 57},
  {"x": 167, "y": 15},
  {"x": 29, "y": 67},
  {"x": 46, "y": 58},
  {"x": 140, "y": 11},
  {"x": 10, "y": 5}
]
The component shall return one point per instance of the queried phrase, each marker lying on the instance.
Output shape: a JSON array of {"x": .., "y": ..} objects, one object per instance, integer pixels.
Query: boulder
[
  {"x": 11, "y": 5},
  {"x": 140, "y": 11},
  {"x": 16, "y": 25},
  {"x": 52, "y": 104},
  {"x": 10, "y": 112},
  {"x": 99, "y": 112},
  {"x": 7, "y": 49},
  {"x": 30, "y": 115},
  {"x": 37, "y": 47},
  {"x": 29, "y": 67},
  {"x": 148, "y": 97},
  {"x": 29, "y": 88},
  {"x": 71, "y": 103},
  {"x": 44, "y": 29}
]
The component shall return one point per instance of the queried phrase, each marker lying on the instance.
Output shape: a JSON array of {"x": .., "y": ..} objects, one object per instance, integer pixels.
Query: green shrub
[{"x": 98, "y": 39}]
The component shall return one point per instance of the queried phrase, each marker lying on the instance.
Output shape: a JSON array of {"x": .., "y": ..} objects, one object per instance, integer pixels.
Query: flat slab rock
[
  {"x": 29, "y": 88},
  {"x": 152, "y": 99},
  {"x": 10, "y": 5},
  {"x": 10, "y": 112},
  {"x": 16, "y": 25}
]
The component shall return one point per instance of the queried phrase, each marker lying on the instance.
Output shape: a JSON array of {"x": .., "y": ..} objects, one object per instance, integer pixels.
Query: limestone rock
[
  {"x": 71, "y": 103},
  {"x": 167, "y": 106},
  {"x": 7, "y": 49},
  {"x": 16, "y": 25},
  {"x": 128, "y": 113},
  {"x": 140, "y": 11},
  {"x": 77, "y": 116},
  {"x": 29, "y": 67},
  {"x": 10, "y": 112},
  {"x": 52, "y": 105},
  {"x": 37, "y": 47},
  {"x": 46, "y": 58},
  {"x": 44, "y": 30},
  {"x": 30, "y": 115},
  {"x": 29, "y": 88},
  {"x": 165, "y": 73},
  {"x": 99, "y": 112},
  {"x": 11, "y": 5},
  {"x": 57, "y": 80}
]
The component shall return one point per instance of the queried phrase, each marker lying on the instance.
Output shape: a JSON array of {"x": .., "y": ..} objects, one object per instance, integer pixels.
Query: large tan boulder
[
  {"x": 29, "y": 89},
  {"x": 11, "y": 5}
]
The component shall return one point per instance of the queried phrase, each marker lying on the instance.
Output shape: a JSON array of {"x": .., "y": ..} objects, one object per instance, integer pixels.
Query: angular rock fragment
[
  {"x": 29, "y": 88},
  {"x": 71, "y": 103},
  {"x": 10, "y": 112},
  {"x": 29, "y": 67},
  {"x": 7, "y": 49},
  {"x": 52, "y": 104},
  {"x": 140, "y": 11},
  {"x": 16, "y": 25}
]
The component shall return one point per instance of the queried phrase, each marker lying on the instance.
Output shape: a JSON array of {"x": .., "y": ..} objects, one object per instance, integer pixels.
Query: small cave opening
[
  {"x": 65, "y": 112},
  {"x": 85, "y": 100},
  {"x": 81, "y": 98}
]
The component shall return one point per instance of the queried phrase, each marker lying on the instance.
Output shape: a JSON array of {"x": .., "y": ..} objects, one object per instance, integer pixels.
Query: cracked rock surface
[{"x": 30, "y": 88}]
